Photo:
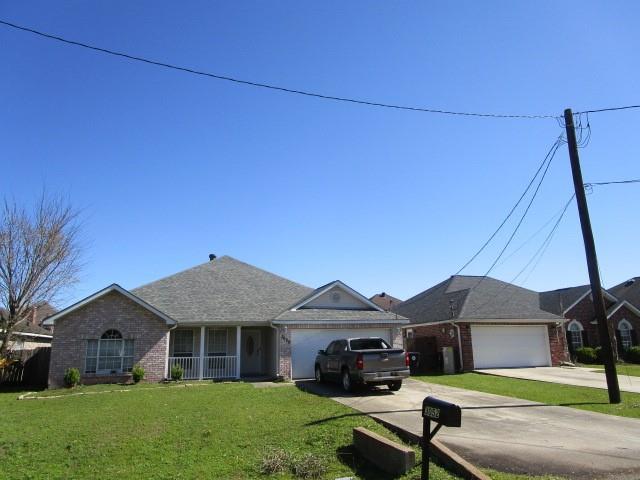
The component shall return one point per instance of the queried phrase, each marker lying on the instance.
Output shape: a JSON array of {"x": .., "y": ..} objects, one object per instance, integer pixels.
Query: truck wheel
[
  {"x": 395, "y": 386},
  {"x": 319, "y": 376},
  {"x": 347, "y": 384}
]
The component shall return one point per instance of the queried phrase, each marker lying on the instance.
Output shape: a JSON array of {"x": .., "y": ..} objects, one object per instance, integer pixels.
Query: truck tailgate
[{"x": 382, "y": 360}]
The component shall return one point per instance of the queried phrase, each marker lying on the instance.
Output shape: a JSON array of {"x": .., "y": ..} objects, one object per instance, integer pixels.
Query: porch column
[
  {"x": 201, "y": 366},
  {"x": 238, "y": 328}
]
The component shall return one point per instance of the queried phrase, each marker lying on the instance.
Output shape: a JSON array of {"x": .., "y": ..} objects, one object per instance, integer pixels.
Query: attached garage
[
  {"x": 305, "y": 343},
  {"x": 505, "y": 346}
]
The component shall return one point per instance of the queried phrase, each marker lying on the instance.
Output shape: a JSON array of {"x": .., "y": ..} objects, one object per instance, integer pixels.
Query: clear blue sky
[{"x": 168, "y": 167}]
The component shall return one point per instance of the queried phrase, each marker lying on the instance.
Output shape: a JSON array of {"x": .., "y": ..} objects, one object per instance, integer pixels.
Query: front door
[{"x": 251, "y": 352}]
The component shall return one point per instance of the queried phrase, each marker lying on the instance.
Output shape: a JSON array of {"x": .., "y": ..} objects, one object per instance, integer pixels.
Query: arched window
[
  {"x": 626, "y": 335},
  {"x": 110, "y": 354},
  {"x": 575, "y": 335}
]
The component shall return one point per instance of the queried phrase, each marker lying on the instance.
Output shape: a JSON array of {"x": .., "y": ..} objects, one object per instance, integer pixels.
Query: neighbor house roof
[
  {"x": 628, "y": 290},
  {"x": 385, "y": 301},
  {"x": 463, "y": 297},
  {"x": 26, "y": 327},
  {"x": 224, "y": 290},
  {"x": 561, "y": 300}
]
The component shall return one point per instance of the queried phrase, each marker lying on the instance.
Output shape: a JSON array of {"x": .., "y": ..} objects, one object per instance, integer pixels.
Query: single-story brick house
[
  {"x": 221, "y": 319},
  {"x": 575, "y": 304},
  {"x": 489, "y": 324}
]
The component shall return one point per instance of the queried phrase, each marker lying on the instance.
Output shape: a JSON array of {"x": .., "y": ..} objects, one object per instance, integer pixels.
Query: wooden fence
[{"x": 31, "y": 368}]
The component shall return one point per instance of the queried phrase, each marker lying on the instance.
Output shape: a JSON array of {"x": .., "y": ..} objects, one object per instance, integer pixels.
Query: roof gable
[
  {"x": 628, "y": 290},
  {"x": 336, "y": 296},
  {"x": 114, "y": 287}
]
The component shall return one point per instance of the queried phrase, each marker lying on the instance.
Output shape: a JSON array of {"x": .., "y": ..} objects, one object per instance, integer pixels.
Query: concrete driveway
[
  {"x": 578, "y": 376},
  {"x": 508, "y": 434}
]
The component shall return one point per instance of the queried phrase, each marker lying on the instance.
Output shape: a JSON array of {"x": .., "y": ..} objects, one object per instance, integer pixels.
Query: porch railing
[
  {"x": 219, "y": 367},
  {"x": 190, "y": 365},
  {"x": 216, "y": 367}
]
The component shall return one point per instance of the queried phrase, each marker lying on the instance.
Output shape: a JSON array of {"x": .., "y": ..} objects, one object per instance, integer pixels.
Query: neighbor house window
[
  {"x": 575, "y": 335},
  {"x": 183, "y": 343},
  {"x": 626, "y": 338},
  {"x": 109, "y": 354},
  {"x": 217, "y": 342}
]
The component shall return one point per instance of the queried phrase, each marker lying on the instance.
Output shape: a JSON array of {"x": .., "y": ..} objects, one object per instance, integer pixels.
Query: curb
[{"x": 447, "y": 457}]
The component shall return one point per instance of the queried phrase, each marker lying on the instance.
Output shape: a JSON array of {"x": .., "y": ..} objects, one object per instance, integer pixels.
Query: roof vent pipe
[{"x": 212, "y": 257}]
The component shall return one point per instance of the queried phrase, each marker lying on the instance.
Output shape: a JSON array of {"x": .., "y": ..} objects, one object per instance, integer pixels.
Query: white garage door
[
  {"x": 510, "y": 346},
  {"x": 305, "y": 344}
]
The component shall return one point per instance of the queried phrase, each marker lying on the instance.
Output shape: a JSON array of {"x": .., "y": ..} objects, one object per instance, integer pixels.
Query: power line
[
  {"x": 610, "y": 109},
  {"x": 615, "y": 182},
  {"x": 550, "y": 153},
  {"x": 265, "y": 85}
]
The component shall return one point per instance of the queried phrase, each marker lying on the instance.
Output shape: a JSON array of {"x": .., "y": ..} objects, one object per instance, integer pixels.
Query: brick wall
[
  {"x": 444, "y": 338},
  {"x": 113, "y": 310}
]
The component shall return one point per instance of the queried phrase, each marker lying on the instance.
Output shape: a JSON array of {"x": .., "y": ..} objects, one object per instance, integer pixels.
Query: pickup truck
[{"x": 362, "y": 361}]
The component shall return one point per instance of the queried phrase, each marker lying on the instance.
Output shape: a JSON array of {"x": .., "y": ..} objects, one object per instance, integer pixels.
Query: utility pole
[{"x": 592, "y": 262}]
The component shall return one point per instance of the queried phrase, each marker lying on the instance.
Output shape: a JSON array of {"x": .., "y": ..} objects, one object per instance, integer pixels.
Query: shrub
[
  {"x": 599, "y": 357},
  {"x": 633, "y": 355},
  {"x": 586, "y": 355},
  {"x": 275, "y": 461},
  {"x": 71, "y": 377},
  {"x": 309, "y": 466},
  {"x": 137, "y": 373},
  {"x": 177, "y": 372}
]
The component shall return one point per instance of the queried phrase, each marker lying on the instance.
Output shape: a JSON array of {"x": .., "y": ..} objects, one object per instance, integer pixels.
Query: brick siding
[
  {"x": 111, "y": 311},
  {"x": 583, "y": 313}
]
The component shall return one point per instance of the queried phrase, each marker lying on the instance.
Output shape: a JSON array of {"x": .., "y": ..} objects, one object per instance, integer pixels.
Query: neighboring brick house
[
  {"x": 385, "y": 301},
  {"x": 575, "y": 304},
  {"x": 221, "y": 319},
  {"x": 489, "y": 324},
  {"x": 28, "y": 333}
]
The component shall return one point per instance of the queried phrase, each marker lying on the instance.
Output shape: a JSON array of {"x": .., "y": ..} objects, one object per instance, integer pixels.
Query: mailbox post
[{"x": 441, "y": 412}]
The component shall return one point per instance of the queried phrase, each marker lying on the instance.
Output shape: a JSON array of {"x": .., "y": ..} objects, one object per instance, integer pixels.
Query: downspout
[
  {"x": 457, "y": 327},
  {"x": 277, "y": 337}
]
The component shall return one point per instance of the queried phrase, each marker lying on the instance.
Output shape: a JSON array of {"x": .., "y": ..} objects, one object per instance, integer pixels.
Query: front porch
[{"x": 218, "y": 353}]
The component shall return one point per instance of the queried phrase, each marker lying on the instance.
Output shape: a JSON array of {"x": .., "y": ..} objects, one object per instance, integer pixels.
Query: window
[
  {"x": 625, "y": 334},
  {"x": 369, "y": 344},
  {"x": 183, "y": 343},
  {"x": 110, "y": 354},
  {"x": 217, "y": 342},
  {"x": 575, "y": 335}
]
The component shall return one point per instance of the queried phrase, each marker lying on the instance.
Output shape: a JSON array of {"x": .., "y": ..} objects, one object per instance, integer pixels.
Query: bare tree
[{"x": 39, "y": 258}]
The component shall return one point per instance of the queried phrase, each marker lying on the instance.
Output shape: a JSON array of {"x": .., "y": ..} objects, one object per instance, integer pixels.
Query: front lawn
[
  {"x": 622, "y": 368},
  {"x": 155, "y": 431},
  {"x": 594, "y": 399}
]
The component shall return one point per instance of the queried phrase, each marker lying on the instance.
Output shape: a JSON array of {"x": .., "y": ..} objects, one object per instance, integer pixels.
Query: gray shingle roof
[
  {"x": 330, "y": 314},
  {"x": 224, "y": 290},
  {"x": 628, "y": 290},
  {"x": 464, "y": 297},
  {"x": 557, "y": 301}
]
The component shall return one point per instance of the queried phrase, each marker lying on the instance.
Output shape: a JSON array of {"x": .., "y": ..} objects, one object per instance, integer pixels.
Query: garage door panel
[
  {"x": 510, "y": 346},
  {"x": 306, "y": 342}
]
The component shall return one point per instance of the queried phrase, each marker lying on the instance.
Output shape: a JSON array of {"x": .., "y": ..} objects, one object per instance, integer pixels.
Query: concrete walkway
[
  {"x": 508, "y": 434},
  {"x": 578, "y": 376}
]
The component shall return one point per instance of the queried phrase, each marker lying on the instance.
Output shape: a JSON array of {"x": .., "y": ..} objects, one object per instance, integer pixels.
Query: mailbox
[{"x": 441, "y": 412}]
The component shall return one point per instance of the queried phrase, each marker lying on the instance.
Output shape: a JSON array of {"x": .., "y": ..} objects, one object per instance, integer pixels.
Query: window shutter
[
  {"x": 585, "y": 338},
  {"x": 570, "y": 343},
  {"x": 619, "y": 343},
  {"x": 634, "y": 338}
]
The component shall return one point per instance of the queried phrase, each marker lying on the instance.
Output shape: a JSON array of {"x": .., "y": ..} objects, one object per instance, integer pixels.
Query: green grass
[
  {"x": 593, "y": 399},
  {"x": 622, "y": 369},
  {"x": 157, "y": 431}
]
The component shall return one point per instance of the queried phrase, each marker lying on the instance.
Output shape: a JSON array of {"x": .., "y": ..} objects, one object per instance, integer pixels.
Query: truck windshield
[{"x": 369, "y": 344}]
